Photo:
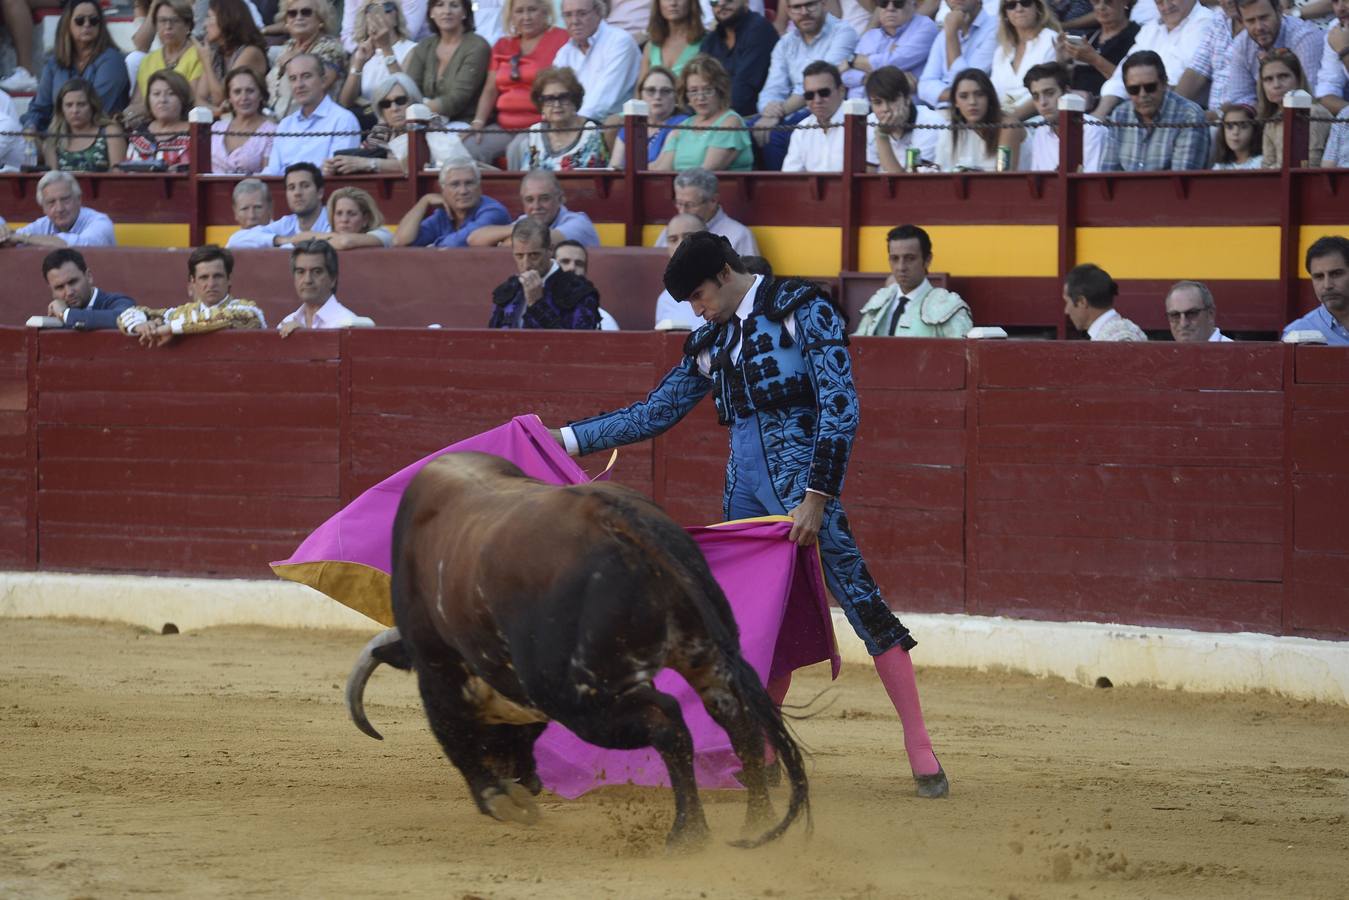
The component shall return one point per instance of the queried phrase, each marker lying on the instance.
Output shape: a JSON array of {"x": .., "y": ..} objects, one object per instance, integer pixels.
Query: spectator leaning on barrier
[
  {"x": 605, "y": 58},
  {"x": 817, "y": 144},
  {"x": 1158, "y": 130},
  {"x": 1192, "y": 314},
  {"x": 460, "y": 210},
  {"x": 912, "y": 307},
  {"x": 670, "y": 313},
  {"x": 67, "y": 223},
  {"x": 321, "y": 125},
  {"x": 304, "y": 196},
  {"x": 1175, "y": 36},
  {"x": 1039, "y": 152},
  {"x": 252, "y": 204},
  {"x": 542, "y": 197},
  {"x": 1328, "y": 266},
  {"x": 75, "y": 300},
  {"x": 313, "y": 265},
  {"x": 1268, "y": 29},
  {"x": 211, "y": 308},
  {"x": 968, "y": 39},
  {"x": 891, "y": 127},
  {"x": 1089, "y": 303},
  {"x": 742, "y": 42},
  {"x": 1332, "y": 81},
  {"x": 696, "y": 191},
  {"x": 541, "y": 295}
]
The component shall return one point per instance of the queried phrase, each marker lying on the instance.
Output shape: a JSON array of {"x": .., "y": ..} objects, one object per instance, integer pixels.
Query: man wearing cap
[{"x": 773, "y": 355}]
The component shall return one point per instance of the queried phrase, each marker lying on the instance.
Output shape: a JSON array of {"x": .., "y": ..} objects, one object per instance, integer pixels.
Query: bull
[{"x": 517, "y": 603}]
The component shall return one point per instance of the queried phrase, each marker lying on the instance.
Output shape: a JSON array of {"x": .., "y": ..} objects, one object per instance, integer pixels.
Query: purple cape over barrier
[{"x": 774, "y": 587}]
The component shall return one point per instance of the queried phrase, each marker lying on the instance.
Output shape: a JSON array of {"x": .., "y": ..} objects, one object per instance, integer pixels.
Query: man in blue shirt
[
  {"x": 1328, "y": 266},
  {"x": 75, "y": 300},
  {"x": 902, "y": 38},
  {"x": 67, "y": 223},
  {"x": 541, "y": 196},
  {"x": 1136, "y": 143},
  {"x": 972, "y": 35},
  {"x": 460, "y": 210},
  {"x": 332, "y": 127}
]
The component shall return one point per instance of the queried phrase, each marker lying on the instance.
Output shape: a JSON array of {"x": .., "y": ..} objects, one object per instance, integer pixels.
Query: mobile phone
[{"x": 1074, "y": 39}]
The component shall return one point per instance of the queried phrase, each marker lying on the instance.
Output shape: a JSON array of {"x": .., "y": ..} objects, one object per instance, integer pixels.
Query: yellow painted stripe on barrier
[
  {"x": 1010, "y": 251},
  {"x": 650, "y": 233},
  {"x": 789, "y": 249},
  {"x": 1244, "y": 252},
  {"x": 611, "y": 233},
  {"x": 219, "y": 234},
  {"x": 152, "y": 234},
  {"x": 1307, "y": 236}
]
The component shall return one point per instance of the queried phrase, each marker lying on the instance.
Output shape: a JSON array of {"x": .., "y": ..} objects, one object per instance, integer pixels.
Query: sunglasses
[
  {"x": 555, "y": 99},
  {"x": 1188, "y": 315},
  {"x": 393, "y": 101},
  {"x": 1013, "y": 4},
  {"x": 299, "y": 13},
  {"x": 515, "y": 67},
  {"x": 822, "y": 93},
  {"x": 657, "y": 91},
  {"x": 1150, "y": 87},
  {"x": 82, "y": 21},
  {"x": 892, "y": 4}
]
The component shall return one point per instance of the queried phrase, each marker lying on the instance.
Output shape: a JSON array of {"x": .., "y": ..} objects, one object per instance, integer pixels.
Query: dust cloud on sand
[{"x": 222, "y": 763}]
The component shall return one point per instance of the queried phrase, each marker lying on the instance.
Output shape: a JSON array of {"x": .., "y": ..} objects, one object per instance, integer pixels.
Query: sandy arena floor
[{"x": 222, "y": 763}]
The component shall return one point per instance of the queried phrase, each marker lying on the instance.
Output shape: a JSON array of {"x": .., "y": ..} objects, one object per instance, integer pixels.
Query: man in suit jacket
[{"x": 75, "y": 300}]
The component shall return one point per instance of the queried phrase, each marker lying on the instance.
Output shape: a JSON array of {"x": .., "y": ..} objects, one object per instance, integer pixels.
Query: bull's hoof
[
  {"x": 514, "y": 804},
  {"x": 532, "y": 783},
  {"x": 933, "y": 787},
  {"x": 689, "y": 839}
]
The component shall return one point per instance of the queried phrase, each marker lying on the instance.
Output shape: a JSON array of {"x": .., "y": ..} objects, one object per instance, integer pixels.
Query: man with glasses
[
  {"x": 333, "y": 128},
  {"x": 696, "y": 191},
  {"x": 819, "y": 35},
  {"x": 969, "y": 37},
  {"x": 818, "y": 145},
  {"x": 742, "y": 42},
  {"x": 901, "y": 38},
  {"x": 1174, "y": 36},
  {"x": 460, "y": 210},
  {"x": 1136, "y": 144},
  {"x": 1267, "y": 28},
  {"x": 605, "y": 58},
  {"x": 542, "y": 198},
  {"x": 1192, "y": 315}
]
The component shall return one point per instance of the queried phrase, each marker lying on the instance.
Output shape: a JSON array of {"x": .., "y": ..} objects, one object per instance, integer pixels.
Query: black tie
[
  {"x": 899, "y": 311},
  {"x": 732, "y": 338}
]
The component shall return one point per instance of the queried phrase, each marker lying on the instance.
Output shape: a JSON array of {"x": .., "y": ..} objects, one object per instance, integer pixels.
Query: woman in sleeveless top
[
  {"x": 82, "y": 138},
  {"x": 676, "y": 30},
  {"x": 232, "y": 40}
]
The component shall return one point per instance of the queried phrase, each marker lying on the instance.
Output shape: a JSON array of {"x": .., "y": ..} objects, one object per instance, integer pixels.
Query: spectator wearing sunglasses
[
  {"x": 517, "y": 59},
  {"x": 901, "y": 38},
  {"x": 1192, "y": 314},
  {"x": 1028, "y": 35},
  {"x": 382, "y": 47},
  {"x": 83, "y": 49},
  {"x": 1136, "y": 144},
  {"x": 564, "y": 139},
  {"x": 658, "y": 89},
  {"x": 818, "y": 145},
  {"x": 310, "y": 24},
  {"x": 742, "y": 42},
  {"x": 450, "y": 67}
]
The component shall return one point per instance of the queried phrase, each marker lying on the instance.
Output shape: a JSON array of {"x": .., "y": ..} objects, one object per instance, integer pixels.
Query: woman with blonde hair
[
  {"x": 81, "y": 138},
  {"x": 356, "y": 222},
  {"x": 382, "y": 47},
  {"x": 705, "y": 87},
  {"x": 660, "y": 89},
  {"x": 391, "y": 99},
  {"x": 1281, "y": 72},
  {"x": 1028, "y": 35},
  {"x": 311, "y": 25},
  {"x": 531, "y": 42},
  {"x": 676, "y": 34}
]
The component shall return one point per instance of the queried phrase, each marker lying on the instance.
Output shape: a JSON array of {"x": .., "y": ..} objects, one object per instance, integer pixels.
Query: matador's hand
[{"x": 807, "y": 519}]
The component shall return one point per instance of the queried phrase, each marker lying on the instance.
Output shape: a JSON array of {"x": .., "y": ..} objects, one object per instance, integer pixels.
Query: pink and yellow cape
[{"x": 774, "y": 587}]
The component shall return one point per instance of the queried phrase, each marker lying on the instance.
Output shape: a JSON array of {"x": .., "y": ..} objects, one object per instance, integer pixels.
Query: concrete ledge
[{"x": 1079, "y": 652}]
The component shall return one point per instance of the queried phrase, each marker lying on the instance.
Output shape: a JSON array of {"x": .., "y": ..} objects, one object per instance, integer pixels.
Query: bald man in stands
[
  {"x": 542, "y": 198},
  {"x": 671, "y": 315}
]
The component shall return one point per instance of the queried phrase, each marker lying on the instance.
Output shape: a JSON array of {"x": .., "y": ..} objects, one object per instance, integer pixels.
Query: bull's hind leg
[
  {"x": 645, "y": 717},
  {"x": 464, "y": 739},
  {"x": 713, "y": 684}
]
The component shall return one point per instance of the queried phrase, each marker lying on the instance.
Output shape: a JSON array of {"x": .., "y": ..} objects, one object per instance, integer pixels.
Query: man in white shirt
[
  {"x": 1332, "y": 81},
  {"x": 817, "y": 35},
  {"x": 1047, "y": 82},
  {"x": 252, "y": 203},
  {"x": 67, "y": 223},
  {"x": 333, "y": 128},
  {"x": 604, "y": 57},
  {"x": 696, "y": 191},
  {"x": 817, "y": 144},
  {"x": 1174, "y": 36},
  {"x": 1192, "y": 315},
  {"x": 671, "y": 315},
  {"x": 1089, "y": 303},
  {"x": 304, "y": 196},
  {"x": 313, "y": 265}
]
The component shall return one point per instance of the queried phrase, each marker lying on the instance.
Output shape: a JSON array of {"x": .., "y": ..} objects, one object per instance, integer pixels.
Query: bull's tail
[{"x": 764, "y": 713}]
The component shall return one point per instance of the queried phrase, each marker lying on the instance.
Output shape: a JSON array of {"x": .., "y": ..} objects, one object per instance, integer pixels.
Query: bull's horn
[{"x": 366, "y": 664}]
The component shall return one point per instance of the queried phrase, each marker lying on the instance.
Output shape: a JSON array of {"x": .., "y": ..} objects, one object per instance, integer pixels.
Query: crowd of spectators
[{"x": 542, "y": 85}]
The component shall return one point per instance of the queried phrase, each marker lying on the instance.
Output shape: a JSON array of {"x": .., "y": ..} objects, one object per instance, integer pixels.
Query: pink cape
[{"x": 774, "y": 587}]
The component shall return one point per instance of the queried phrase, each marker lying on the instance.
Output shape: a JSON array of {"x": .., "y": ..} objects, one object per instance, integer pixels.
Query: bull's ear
[{"x": 394, "y": 654}]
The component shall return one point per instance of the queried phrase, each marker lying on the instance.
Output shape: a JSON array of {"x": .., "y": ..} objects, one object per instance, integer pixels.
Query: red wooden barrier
[{"x": 1156, "y": 484}]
